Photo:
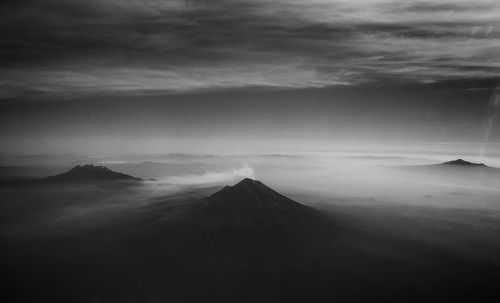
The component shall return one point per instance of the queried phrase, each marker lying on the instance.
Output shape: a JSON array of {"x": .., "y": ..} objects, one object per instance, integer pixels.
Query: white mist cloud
[{"x": 213, "y": 177}]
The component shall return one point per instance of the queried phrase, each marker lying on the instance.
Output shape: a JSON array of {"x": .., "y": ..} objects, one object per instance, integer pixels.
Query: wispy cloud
[
  {"x": 211, "y": 178},
  {"x": 62, "y": 46}
]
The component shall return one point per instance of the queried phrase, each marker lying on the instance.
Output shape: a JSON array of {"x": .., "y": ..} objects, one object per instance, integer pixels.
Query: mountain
[
  {"x": 454, "y": 167},
  {"x": 89, "y": 173},
  {"x": 463, "y": 163},
  {"x": 463, "y": 167},
  {"x": 250, "y": 203}
]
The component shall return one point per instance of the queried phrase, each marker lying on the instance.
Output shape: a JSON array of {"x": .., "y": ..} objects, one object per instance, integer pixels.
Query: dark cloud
[
  {"x": 457, "y": 6},
  {"x": 81, "y": 47}
]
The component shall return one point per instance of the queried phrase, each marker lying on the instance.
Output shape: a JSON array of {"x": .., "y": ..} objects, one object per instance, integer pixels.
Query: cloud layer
[{"x": 80, "y": 47}]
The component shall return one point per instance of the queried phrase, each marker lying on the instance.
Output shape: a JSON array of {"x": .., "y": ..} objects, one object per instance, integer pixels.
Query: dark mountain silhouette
[
  {"x": 458, "y": 167},
  {"x": 90, "y": 173},
  {"x": 251, "y": 203},
  {"x": 463, "y": 167},
  {"x": 461, "y": 162}
]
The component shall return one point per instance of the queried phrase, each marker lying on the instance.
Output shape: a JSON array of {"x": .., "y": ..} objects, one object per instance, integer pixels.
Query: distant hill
[
  {"x": 89, "y": 173},
  {"x": 463, "y": 167},
  {"x": 461, "y": 162},
  {"x": 454, "y": 165},
  {"x": 458, "y": 170}
]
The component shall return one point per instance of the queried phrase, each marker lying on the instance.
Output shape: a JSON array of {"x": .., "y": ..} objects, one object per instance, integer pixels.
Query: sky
[{"x": 105, "y": 77}]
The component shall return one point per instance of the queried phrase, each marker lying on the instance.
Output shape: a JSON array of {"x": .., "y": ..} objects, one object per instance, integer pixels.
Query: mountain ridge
[{"x": 89, "y": 173}]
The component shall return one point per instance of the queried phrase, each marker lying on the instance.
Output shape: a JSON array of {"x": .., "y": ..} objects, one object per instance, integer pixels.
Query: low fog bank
[{"x": 340, "y": 176}]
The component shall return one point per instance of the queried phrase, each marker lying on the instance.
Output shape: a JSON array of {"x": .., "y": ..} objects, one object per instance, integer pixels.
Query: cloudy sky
[
  {"x": 62, "y": 46},
  {"x": 186, "y": 56}
]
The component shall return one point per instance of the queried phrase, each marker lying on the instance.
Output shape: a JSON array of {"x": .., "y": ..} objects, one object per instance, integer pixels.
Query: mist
[
  {"x": 335, "y": 177},
  {"x": 211, "y": 178},
  {"x": 380, "y": 188}
]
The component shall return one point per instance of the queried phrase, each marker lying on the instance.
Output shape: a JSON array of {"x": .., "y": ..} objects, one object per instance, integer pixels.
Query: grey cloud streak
[{"x": 79, "y": 47}]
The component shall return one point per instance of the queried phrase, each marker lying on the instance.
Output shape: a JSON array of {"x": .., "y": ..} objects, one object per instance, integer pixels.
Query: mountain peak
[
  {"x": 90, "y": 167},
  {"x": 243, "y": 188},
  {"x": 461, "y": 162},
  {"x": 251, "y": 203},
  {"x": 89, "y": 173},
  {"x": 248, "y": 182}
]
